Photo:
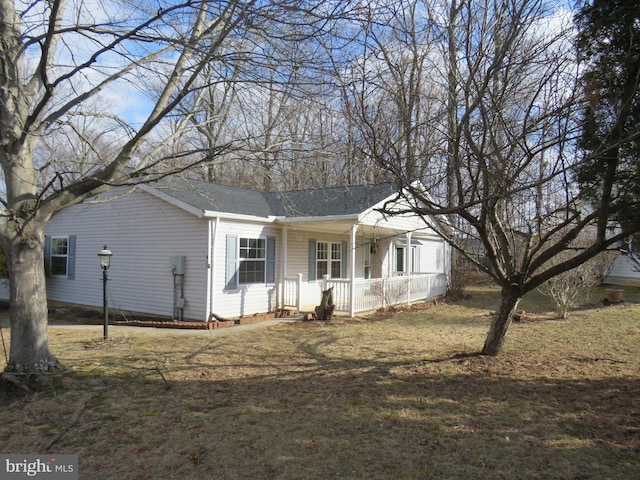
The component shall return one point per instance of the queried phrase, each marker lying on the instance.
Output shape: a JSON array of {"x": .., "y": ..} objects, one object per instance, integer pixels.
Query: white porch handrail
[
  {"x": 374, "y": 293},
  {"x": 291, "y": 292},
  {"x": 368, "y": 294},
  {"x": 341, "y": 292}
]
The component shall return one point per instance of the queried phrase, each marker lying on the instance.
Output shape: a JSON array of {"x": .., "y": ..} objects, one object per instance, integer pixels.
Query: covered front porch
[
  {"x": 361, "y": 295},
  {"x": 383, "y": 262}
]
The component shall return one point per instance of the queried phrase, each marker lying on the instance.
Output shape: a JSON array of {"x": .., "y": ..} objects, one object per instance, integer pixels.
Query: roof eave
[
  {"x": 239, "y": 216},
  {"x": 198, "y": 212},
  {"x": 350, "y": 217}
]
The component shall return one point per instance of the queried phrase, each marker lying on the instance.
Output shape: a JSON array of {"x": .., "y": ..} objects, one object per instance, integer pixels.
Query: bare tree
[
  {"x": 290, "y": 124},
  {"x": 282, "y": 124},
  {"x": 571, "y": 288},
  {"x": 63, "y": 63},
  {"x": 212, "y": 115},
  {"x": 502, "y": 144},
  {"x": 387, "y": 91}
]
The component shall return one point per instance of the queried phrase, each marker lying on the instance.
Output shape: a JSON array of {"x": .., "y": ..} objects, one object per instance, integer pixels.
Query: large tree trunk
[
  {"x": 30, "y": 356},
  {"x": 509, "y": 299}
]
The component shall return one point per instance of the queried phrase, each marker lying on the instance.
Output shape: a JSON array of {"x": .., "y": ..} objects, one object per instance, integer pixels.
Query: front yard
[{"x": 377, "y": 398}]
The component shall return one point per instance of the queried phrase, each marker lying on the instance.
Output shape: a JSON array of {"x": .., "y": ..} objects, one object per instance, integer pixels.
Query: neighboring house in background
[
  {"x": 4, "y": 289},
  {"x": 624, "y": 270},
  {"x": 190, "y": 249},
  {"x": 4, "y": 281}
]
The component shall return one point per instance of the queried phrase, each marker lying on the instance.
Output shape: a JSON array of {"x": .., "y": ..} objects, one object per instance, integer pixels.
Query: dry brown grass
[{"x": 378, "y": 398}]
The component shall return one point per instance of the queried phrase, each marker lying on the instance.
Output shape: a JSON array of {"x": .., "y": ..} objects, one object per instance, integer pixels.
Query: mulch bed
[
  {"x": 203, "y": 325},
  {"x": 93, "y": 317}
]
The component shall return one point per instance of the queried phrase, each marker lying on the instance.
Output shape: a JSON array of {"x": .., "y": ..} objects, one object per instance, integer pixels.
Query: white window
[
  {"x": 253, "y": 260},
  {"x": 440, "y": 259},
  {"x": 329, "y": 259},
  {"x": 400, "y": 254},
  {"x": 367, "y": 260},
  {"x": 59, "y": 255},
  {"x": 402, "y": 260}
]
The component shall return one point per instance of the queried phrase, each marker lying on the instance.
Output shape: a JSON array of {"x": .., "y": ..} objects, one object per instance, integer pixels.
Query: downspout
[
  {"x": 207, "y": 306},
  {"x": 446, "y": 263},
  {"x": 409, "y": 266},
  {"x": 352, "y": 274}
]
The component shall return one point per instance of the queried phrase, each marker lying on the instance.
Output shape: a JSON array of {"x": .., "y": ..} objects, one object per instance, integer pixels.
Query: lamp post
[{"x": 105, "y": 262}]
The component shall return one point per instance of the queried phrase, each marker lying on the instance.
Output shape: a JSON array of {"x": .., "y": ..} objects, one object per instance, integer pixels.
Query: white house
[
  {"x": 623, "y": 271},
  {"x": 191, "y": 250},
  {"x": 4, "y": 289}
]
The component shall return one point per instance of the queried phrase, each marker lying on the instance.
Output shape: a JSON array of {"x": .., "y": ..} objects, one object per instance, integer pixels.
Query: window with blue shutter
[
  {"x": 312, "y": 260},
  {"x": 232, "y": 262},
  {"x": 71, "y": 258},
  {"x": 271, "y": 260},
  {"x": 47, "y": 255},
  {"x": 60, "y": 256},
  {"x": 250, "y": 260}
]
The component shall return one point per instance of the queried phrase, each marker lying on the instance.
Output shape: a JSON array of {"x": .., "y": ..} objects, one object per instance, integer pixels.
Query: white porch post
[
  {"x": 211, "y": 252},
  {"x": 283, "y": 270},
  {"x": 299, "y": 294},
  {"x": 352, "y": 274},
  {"x": 409, "y": 267}
]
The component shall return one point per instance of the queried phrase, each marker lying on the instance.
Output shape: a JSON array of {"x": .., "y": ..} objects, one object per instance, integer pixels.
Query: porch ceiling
[{"x": 343, "y": 228}]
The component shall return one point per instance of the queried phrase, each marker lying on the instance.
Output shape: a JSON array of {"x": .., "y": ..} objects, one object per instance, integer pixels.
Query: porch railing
[
  {"x": 370, "y": 294},
  {"x": 291, "y": 292}
]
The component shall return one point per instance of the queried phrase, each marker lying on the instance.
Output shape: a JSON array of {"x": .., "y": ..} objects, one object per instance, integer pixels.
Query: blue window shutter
[
  {"x": 345, "y": 254},
  {"x": 71, "y": 258},
  {"x": 312, "y": 260},
  {"x": 232, "y": 262},
  {"x": 271, "y": 260},
  {"x": 47, "y": 255}
]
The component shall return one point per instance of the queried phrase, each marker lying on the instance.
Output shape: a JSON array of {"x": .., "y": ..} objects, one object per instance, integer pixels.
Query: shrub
[{"x": 570, "y": 289}]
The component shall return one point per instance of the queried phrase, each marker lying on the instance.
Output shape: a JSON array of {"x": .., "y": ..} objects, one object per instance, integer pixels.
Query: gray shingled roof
[{"x": 318, "y": 202}]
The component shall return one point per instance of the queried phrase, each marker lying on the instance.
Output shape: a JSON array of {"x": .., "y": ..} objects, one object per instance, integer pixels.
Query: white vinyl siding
[
  {"x": 231, "y": 297},
  {"x": 143, "y": 232},
  {"x": 432, "y": 254},
  {"x": 623, "y": 272}
]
